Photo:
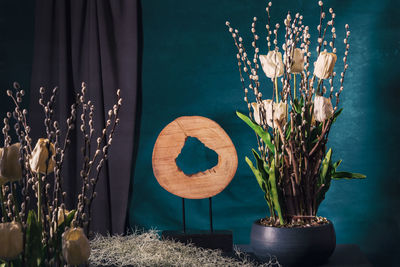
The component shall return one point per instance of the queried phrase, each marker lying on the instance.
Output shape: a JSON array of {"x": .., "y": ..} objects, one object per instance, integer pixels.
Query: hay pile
[{"x": 146, "y": 249}]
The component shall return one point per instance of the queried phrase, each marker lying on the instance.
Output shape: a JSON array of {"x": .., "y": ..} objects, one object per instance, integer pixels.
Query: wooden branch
[
  {"x": 325, "y": 130},
  {"x": 289, "y": 151}
]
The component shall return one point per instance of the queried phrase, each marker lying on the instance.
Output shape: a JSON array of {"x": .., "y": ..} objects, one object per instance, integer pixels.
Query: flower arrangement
[
  {"x": 36, "y": 228},
  {"x": 293, "y": 166}
]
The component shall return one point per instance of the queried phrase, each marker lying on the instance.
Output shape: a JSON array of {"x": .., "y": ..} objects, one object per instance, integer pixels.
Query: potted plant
[{"x": 293, "y": 164}]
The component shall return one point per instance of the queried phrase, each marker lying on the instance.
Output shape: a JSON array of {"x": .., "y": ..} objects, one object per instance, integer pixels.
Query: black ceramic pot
[{"x": 294, "y": 246}]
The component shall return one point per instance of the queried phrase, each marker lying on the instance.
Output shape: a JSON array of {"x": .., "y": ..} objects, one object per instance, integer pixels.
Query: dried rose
[
  {"x": 324, "y": 65},
  {"x": 272, "y": 64},
  {"x": 75, "y": 246},
  {"x": 323, "y": 109},
  {"x": 40, "y": 157},
  {"x": 11, "y": 240},
  {"x": 10, "y": 167}
]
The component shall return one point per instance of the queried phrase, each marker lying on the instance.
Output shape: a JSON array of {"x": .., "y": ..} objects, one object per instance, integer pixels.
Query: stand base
[{"x": 218, "y": 239}]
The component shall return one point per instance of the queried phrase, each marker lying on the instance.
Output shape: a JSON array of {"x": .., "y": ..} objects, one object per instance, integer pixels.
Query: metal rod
[
  {"x": 211, "y": 216},
  {"x": 183, "y": 215}
]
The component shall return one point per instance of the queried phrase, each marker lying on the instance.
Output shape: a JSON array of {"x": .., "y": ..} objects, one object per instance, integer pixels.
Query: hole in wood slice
[{"x": 196, "y": 157}]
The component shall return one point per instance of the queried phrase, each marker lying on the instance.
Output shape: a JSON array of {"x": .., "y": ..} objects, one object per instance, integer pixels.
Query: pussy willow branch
[
  {"x": 242, "y": 59},
  {"x": 115, "y": 122},
  {"x": 85, "y": 154}
]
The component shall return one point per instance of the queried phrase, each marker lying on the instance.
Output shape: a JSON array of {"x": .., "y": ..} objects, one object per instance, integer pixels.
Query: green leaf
[
  {"x": 336, "y": 164},
  {"x": 324, "y": 177},
  {"x": 70, "y": 217},
  {"x": 260, "y": 165},
  {"x": 34, "y": 248},
  {"x": 325, "y": 166},
  {"x": 288, "y": 130},
  {"x": 265, "y": 136},
  {"x": 337, "y": 113},
  {"x": 257, "y": 174},
  {"x": 314, "y": 135},
  {"x": 274, "y": 192},
  {"x": 298, "y": 104},
  {"x": 17, "y": 262},
  {"x": 347, "y": 175}
]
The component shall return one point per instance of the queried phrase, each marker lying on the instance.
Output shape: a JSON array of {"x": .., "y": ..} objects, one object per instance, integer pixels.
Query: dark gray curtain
[{"x": 95, "y": 41}]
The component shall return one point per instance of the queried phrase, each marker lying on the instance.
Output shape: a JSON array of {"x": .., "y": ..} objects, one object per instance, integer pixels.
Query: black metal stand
[
  {"x": 214, "y": 239},
  {"x": 210, "y": 214},
  {"x": 183, "y": 215}
]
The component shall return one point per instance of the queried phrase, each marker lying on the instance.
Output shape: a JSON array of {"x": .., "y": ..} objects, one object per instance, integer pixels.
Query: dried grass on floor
[{"x": 146, "y": 249}]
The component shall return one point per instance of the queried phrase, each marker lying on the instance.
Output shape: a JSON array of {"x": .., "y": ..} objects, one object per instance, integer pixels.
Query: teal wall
[{"x": 189, "y": 68}]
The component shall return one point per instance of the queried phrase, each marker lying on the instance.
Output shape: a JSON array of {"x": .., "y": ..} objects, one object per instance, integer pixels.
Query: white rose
[
  {"x": 297, "y": 61},
  {"x": 40, "y": 156},
  {"x": 272, "y": 64},
  {"x": 75, "y": 246},
  {"x": 10, "y": 167},
  {"x": 11, "y": 240},
  {"x": 324, "y": 66},
  {"x": 323, "y": 109}
]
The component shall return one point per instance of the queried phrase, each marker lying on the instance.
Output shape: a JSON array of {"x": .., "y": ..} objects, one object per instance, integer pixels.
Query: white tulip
[
  {"x": 40, "y": 157},
  {"x": 297, "y": 65},
  {"x": 323, "y": 109},
  {"x": 75, "y": 246},
  {"x": 268, "y": 104},
  {"x": 256, "y": 112},
  {"x": 280, "y": 112},
  {"x": 272, "y": 64},
  {"x": 324, "y": 65},
  {"x": 257, "y": 109},
  {"x": 11, "y": 240},
  {"x": 277, "y": 110},
  {"x": 10, "y": 167},
  {"x": 62, "y": 215}
]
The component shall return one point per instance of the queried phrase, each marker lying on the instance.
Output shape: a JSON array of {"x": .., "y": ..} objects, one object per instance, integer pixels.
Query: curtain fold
[{"x": 95, "y": 41}]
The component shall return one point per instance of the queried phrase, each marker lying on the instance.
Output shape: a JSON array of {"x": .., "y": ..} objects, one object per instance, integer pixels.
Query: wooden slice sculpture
[{"x": 169, "y": 145}]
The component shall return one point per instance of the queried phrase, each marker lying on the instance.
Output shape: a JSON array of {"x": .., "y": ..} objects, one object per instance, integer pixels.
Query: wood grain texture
[{"x": 169, "y": 145}]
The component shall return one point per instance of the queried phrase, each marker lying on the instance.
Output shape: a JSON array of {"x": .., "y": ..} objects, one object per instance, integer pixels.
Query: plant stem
[
  {"x": 3, "y": 210},
  {"x": 15, "y": 202},
  {"x": 276, "y": 89},
  {"x": 318, "y": 88},
  {"x": 39, "y": 198},
  {"x": 294, "y": 83}
]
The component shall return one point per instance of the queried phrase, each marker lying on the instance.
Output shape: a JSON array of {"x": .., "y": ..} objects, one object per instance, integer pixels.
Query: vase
[{"x": 296, "y": 246}]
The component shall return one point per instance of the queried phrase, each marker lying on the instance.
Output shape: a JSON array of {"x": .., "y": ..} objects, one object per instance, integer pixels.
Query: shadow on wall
[{"x": 383, "y": 232}]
